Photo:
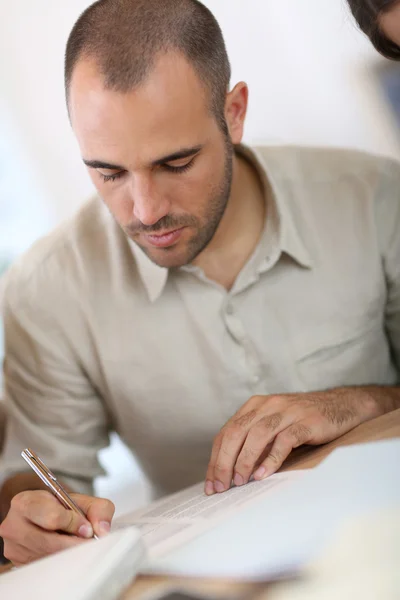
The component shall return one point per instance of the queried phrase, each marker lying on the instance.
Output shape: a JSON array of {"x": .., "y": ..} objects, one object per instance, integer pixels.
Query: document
[
  {"x": 176, "y": 519},
  {"x": 262, "y": 530},
  {"x": 290, "y": 525}
]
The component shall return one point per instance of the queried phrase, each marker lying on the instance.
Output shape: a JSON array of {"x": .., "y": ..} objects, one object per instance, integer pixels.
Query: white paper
[
  {"x": 176, "y": 519},
  {"x": 95, "y": 570},
  {"x": 280, "y": 533}
]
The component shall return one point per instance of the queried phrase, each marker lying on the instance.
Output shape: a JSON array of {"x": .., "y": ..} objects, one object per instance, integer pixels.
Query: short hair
[
  {"x": 367, "y": 14},
  {"x": 125, "y": 37}
]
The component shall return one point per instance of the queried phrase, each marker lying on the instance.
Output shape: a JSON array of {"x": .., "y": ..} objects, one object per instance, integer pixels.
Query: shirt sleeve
[
  {"x": 387, "y": 207},
  {"x": 51, "y": 403}
]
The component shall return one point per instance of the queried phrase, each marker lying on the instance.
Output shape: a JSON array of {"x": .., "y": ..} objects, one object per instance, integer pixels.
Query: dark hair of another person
[
  {"x": 367, "y": 14},
  {"x": 125, "y": 38}
]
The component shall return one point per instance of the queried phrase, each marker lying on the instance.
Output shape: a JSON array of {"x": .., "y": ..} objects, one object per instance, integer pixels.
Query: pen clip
[{"x": 40, "y": 465}]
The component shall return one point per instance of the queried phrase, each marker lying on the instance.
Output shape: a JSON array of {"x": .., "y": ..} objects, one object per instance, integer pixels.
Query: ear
[{"x": 235, "y": 111}]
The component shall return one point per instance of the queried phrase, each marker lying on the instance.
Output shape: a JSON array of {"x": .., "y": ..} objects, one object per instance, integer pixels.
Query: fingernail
[
  {"x": 260, "y": 473},
  {"x": 209, "y": 488},
  {"x": 104, "y": 527},
  {"x": 238, "y": 479},
  {"x": 219, "y": 486},
  {"x": 86, "y": 531}
]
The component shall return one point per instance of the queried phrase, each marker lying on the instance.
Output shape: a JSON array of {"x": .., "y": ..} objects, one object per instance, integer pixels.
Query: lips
[{"x": 164, "y": 240}]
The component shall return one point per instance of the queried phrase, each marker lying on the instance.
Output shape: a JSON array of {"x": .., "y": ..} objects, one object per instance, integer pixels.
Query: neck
[{"x": 240, "y": 228}]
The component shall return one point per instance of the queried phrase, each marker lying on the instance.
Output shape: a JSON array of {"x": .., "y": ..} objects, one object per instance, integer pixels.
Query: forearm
[
  {"x": 375, "y": 400},
  {"x": 21, "y": 482}
]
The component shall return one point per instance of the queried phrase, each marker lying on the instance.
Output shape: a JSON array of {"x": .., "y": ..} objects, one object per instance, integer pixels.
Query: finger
[
  {"x": 45, "y": 511},
  {"x": 295, "y": 435},
  {"x": 209, "y": 484},
  {"x": 17, "y": 554},
  {"x": 98, "y": 511},
  {"x": 35, "y": 543},
  {"x": 260, "y": 435},
  {"x": 242, "y": 419},
  {"x": 233, "y": 436}
]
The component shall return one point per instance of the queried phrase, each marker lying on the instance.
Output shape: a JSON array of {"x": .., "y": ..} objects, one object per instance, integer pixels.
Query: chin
[{"x": 168, "y": 258}]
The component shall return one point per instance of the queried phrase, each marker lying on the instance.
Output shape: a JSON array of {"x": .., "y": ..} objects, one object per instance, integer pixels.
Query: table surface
[{"x": 306, "y": 457}]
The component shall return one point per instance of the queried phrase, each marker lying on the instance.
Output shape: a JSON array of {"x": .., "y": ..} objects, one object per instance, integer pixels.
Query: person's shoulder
[
  {"x": 65, "y": 255},
  {"x": 314, "y": 163}
]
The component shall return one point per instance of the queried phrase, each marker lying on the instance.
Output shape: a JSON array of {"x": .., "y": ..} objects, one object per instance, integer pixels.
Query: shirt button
[
  {"x": 256, "y": 379},
  {"x": 229, "y": 309}
]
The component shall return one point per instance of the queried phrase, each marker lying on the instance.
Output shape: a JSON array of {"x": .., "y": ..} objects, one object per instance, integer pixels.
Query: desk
[
  {"x": 385, "y": 427},
  {"x": 307, "y": 457}
]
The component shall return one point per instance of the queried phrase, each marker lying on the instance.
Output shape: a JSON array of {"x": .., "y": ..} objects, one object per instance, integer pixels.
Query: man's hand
[
  {"x": 36, "y": 525},
  {"x": 260, "y": 436}
]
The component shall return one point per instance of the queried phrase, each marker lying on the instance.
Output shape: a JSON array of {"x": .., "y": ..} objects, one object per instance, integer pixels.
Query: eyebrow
[{"x": 184, "y": 153}]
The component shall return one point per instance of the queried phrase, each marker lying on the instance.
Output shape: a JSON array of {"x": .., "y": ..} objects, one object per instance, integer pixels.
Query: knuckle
[
  {"x": 300, "y": 433},
  {"x": 285, "y": 438},
  {"x": 221, "y": 469},
  {"x": 21, "y": 501},
  {"x": 53, "y": 519},
  {"x": 234, "y": 432},
  {"x": 275, "y": 456},
  {"x": 218, "y": 438},
  {"x": 245, "y": 465},
  {"x": 277, "y": 400},
  {"x": 313, "y": 422},
  {"x": 247, "y": 458},
  {"x": 11, "y": 553},
  {"x": 243, "y": 421},
  {"x": 40, "y": 544},
  {"x": 29, "y": 558},
  {"x": 271, "y": 422},
  {"x": 6, "y": 531},
  {"x": 104, "y": 506},
  {"x": 70, "y": 521},
  {"x": 255, "y": 401},
  {"x": 252, "y": 400},
  {"x": 225, "y": 453}
]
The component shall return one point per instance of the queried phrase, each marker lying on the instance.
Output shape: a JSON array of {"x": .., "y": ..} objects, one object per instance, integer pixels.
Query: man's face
[{"x": 156, "y": 156}]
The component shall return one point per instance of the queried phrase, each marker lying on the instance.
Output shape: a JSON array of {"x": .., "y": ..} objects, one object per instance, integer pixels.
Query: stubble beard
[{"x": 205, "y": 233}]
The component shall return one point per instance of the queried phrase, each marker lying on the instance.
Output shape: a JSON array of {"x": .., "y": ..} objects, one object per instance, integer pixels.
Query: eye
[
  {"x": 180, "y": 169},
  {"x": 112, "y": 177}
]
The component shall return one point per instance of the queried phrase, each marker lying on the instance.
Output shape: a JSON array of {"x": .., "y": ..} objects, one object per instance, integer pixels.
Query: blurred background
[{"x": 313, "y": 78}]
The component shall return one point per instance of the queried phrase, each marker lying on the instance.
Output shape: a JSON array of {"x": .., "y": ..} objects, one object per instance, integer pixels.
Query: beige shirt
[{"x": 98, "y": 338}]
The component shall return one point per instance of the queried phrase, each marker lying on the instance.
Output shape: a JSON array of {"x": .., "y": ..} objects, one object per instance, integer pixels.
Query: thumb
[
  {"x": 42, "y": 509},
  {"x": 99, "y": 512}
]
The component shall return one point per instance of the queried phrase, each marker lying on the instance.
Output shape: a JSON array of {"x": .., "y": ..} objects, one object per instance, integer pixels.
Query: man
[
  {"x": 248, "y": 296},
  {"x": 380, "y": 21}
]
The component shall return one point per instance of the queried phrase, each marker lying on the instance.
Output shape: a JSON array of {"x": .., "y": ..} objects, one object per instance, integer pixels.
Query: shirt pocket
[{"x": 339, "y": 355}]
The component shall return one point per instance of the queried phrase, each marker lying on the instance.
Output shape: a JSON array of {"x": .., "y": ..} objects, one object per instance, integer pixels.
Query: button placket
[{"x": 236, "y": 330}]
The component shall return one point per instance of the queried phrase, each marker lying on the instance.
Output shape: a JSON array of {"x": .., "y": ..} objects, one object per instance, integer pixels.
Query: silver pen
[{"x": 50, "y": 480}]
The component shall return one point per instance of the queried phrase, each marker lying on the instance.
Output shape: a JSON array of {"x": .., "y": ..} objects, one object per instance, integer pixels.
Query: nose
[{"x": 149, "y": 205}]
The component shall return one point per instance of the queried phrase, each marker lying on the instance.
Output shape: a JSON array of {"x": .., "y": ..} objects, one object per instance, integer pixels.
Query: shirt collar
[
  {"x": 280, "y": 233},
  {"x": 153, "y": 277},
  {"x": 280, "y": 229}
]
